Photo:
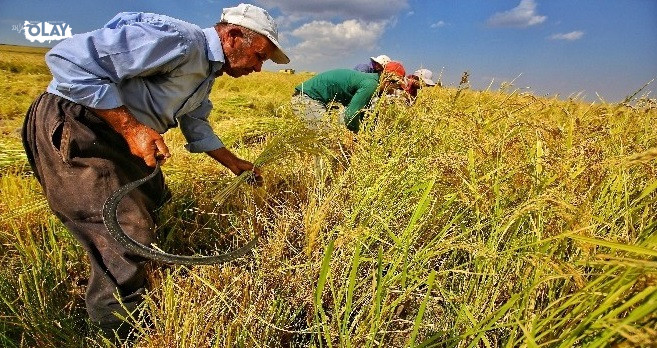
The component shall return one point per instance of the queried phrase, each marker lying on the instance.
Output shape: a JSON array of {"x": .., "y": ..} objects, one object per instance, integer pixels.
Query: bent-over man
[
  {"x": 114, "y": 91},
  {"x": 351, "y": 88}
]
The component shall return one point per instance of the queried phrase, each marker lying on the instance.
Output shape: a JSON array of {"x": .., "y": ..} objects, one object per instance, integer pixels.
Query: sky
[{"x": 590, "y": 49}]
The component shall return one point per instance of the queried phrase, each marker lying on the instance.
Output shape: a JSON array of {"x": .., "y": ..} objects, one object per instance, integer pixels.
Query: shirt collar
[{"x": 213, "y": 45}]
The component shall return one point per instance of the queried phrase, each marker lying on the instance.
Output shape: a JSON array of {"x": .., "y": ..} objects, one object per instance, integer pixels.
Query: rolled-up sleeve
[
  {"x": 87, "y": 67},
  {"x": 197, "y": 130}
]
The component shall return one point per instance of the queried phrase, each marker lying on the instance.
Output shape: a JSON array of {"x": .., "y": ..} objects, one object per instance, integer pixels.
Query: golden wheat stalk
[
  {"x": 641, "y": 157},
  {"x": 283, "y": 145}
]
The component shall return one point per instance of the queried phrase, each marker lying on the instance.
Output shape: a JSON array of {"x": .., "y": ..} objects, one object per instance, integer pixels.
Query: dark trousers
[{"x": 79, "y": 161}]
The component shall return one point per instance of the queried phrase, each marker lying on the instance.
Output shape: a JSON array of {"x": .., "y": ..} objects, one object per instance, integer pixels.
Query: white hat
[
  {"x": 258, "y": 20},
  {"x": 425, "y": 75},
  {"x": 382, "y": 59}
]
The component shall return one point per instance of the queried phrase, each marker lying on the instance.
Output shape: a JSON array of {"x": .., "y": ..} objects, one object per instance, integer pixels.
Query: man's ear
[{"x": 233, "y": 34}]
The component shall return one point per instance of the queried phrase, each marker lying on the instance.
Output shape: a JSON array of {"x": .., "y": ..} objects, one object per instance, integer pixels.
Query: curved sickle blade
[{"x": 112, "y": 223}]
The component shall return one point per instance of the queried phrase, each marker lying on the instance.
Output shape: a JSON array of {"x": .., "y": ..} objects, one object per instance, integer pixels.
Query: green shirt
[{"x": 351, "y": 88}]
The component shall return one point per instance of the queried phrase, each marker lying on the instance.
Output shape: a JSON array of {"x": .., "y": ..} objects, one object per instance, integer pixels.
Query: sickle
[{"x": 112, "y": 223}]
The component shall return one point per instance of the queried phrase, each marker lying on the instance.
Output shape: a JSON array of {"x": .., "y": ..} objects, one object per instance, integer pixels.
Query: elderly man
[
  {"x": 375, "y": 65},
  {"x": 98, "y": 126},
  {"x": 350, "y": 88}
]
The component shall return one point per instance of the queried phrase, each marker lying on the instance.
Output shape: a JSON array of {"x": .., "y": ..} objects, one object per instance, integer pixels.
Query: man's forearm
[
  {"x": 225, "y": 157},
  {"x": 236, "y": 164},
  {"x": 120, "y": 119},
  {"x": 143, "y": 141}
]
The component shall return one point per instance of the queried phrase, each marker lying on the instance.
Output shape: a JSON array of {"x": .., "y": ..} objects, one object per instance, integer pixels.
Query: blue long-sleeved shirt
[
  {"x": 160, "y": 68},
  {"x": 365, "y": 67}
]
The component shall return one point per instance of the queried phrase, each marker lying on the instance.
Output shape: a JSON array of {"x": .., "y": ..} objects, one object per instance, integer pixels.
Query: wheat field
[{"x": 470, "y": 219}]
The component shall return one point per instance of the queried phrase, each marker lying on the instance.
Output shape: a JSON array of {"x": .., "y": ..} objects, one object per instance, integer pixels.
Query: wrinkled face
[{"x": 245, "y": 52}]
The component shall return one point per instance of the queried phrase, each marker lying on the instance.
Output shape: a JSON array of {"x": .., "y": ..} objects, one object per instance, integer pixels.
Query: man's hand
[
  {"x": 143, "y": 141},
  {"x": 255, "y": 178},
  {"x": 147, "y": 144},
  {"x": 237, "y": 165}
]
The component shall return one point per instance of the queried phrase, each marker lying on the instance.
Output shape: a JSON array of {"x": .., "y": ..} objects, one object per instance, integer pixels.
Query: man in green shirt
[{"x": 353, "y": 89}]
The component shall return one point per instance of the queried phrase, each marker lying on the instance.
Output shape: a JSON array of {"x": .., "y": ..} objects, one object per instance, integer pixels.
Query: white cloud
[
  {"x": 325, "y": 34},
  {"x": 365, "y": 10},
  {"x": 438, "y": 24},
  {"x": 325, "y": 42},
  {"x": 521, "y": 16},
  {"x": 288, "y": 21},
  {"x": 572, "y": 36}
]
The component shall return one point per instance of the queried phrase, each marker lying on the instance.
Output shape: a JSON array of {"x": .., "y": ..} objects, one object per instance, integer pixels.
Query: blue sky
[{"x": 563, "y": 47}]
